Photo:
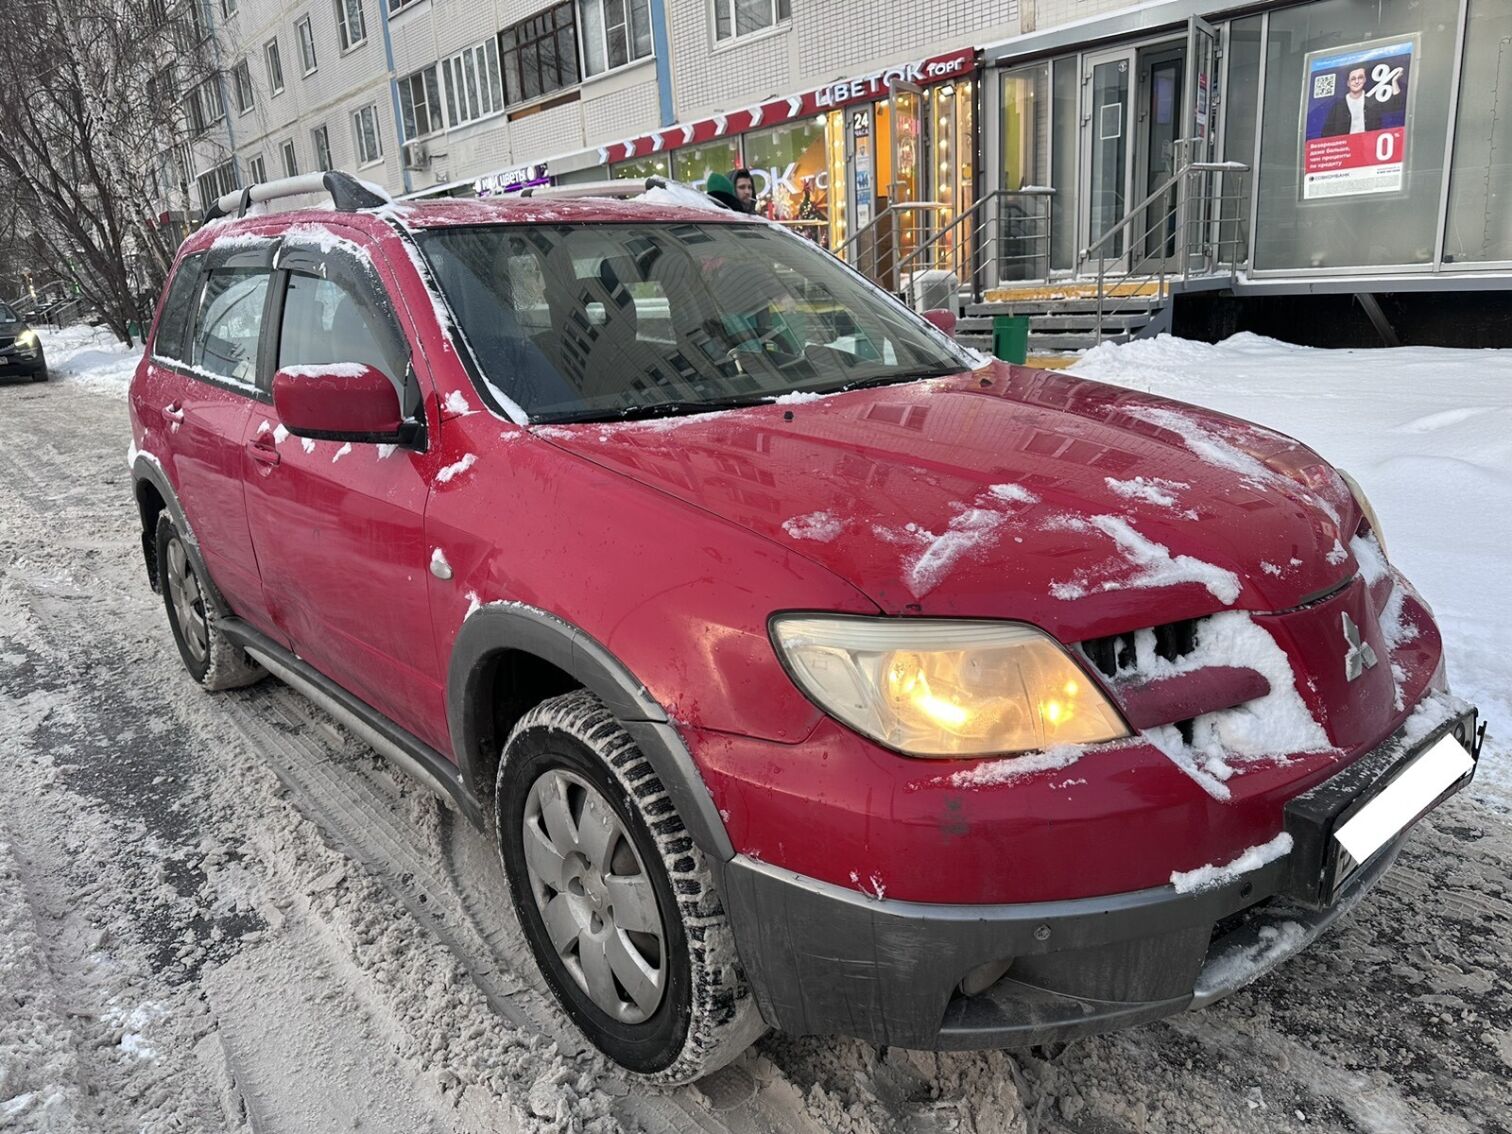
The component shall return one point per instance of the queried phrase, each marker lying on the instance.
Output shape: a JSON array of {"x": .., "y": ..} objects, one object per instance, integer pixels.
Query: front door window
[{"x": 1108, "y": 168}]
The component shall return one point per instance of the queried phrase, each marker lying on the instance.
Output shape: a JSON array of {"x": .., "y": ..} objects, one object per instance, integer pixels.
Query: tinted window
[
  {"x": 329, "y": 320},
  {"x": 603, "y": 321},
  {"x": 226, "y": 329},
  {"x": 176, "y": 310},
  {"x": 7, "y": 315}
]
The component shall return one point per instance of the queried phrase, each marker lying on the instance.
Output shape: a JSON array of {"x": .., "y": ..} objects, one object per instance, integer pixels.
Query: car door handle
[
  {"x": 264, "y": 451},
  {"x": 173, "y": 411}
]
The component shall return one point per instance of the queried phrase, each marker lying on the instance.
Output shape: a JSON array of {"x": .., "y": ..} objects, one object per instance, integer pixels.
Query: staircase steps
[{"x": 1062, "y": 319}]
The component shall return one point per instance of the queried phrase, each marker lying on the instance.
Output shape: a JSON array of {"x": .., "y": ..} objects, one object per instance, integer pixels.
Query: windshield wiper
[
  {"x": 657, "y": 409},
  {"x": 895, "y": 379}
]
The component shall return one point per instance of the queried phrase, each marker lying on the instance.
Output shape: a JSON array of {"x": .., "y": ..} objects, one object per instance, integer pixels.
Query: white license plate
[{"x": 1403, "y": 800}]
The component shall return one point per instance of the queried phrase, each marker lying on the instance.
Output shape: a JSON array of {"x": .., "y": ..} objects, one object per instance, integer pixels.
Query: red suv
[{"x": 811, "y": 671}]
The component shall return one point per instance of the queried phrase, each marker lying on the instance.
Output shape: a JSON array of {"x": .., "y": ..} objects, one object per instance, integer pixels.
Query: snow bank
[{"x": 90, "y": 357}]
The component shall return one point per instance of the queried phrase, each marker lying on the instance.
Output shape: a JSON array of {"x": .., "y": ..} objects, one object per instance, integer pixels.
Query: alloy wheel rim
[
  {"x": 188, "y": 601},
  {"x": 595, "y": 896}
]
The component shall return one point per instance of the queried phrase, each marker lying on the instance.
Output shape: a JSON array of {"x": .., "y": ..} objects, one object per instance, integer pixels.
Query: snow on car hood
[{"x": 1008, "y": 492}]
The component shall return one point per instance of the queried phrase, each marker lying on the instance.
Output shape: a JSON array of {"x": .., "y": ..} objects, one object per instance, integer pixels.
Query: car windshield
[
  {"x": 7, "y": 315},
  {"x": 594, "y": 322}
]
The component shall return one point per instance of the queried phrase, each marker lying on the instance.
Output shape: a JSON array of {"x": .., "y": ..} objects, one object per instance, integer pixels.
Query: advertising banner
[{"x": 1355, "y": 120}]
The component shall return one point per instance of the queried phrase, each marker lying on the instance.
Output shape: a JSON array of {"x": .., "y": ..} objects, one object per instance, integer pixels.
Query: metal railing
[
  {"x": 1181, "y": 230},
  {"x": 1003, "y": 237},
  {"x": 878, "y": 248}
]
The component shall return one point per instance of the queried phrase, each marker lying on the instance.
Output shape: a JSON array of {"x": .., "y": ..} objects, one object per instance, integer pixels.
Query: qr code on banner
[{"x": 1324, "y": 85}]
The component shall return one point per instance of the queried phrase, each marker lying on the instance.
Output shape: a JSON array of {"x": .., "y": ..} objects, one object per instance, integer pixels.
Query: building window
[
  {"x": 306, "y": 35},
  {"x": 420, "y": 104},
  {"x": 258, "y": 169},
  {"x": 205, "y": 106},
  {"x": 742, "y": 17},
  {"x": 365, "y": 131},
  {"x": 228, "y": 7},
  {"x": 351, "y": 29},
  {"x": 241, "y": 79},
  {"x": 396, "y": 5},
  {"x": 320, "y": 138},
  {"x": 540, "y": 54},
  {"x": 216, "y": 183},
  {"x": 472, "y": 83},
  {"x": 290, "y": 159},
  {"x": 615, "y": 32},
  {"x": 275, "y": 66}
]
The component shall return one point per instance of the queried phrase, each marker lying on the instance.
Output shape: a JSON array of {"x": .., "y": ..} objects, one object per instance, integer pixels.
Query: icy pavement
[{"x": 221, "y": 912}]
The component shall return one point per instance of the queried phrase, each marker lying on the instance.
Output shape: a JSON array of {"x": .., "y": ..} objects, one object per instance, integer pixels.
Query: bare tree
[{"x": 93, "y": 95}]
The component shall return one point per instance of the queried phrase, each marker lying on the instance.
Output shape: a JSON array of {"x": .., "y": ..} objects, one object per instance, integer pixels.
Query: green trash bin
[{"x": 1010, "y": 337}]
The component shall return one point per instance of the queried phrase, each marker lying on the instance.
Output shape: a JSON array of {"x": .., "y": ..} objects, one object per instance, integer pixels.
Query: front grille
[
  {"x": 6, "y": 340},
  {"x": 1115, "y": 655}
]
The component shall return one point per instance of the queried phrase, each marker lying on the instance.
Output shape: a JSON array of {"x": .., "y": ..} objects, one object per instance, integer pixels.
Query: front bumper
[
  {"x": 13, "y": 365},
  {"x": 825, "y": 959}
]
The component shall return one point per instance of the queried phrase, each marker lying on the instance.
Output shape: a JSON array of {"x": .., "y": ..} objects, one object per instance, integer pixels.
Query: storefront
[
  {"x": 829, "y": 161},
  {"x": 1376, "y": 137}
]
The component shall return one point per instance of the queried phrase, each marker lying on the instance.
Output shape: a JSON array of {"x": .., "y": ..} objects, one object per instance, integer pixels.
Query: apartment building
[{"x": 1065, "y": 118}]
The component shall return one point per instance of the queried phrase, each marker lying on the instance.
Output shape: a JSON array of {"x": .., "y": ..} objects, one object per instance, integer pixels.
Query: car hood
[{"x": 1007, "y": 492}]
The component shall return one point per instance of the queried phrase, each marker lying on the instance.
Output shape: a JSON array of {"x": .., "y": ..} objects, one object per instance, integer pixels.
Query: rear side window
[
  {"x": 177, "y": 309},
  {"x": 329, "y": 320},
  {"x": 228, "y": 324}
]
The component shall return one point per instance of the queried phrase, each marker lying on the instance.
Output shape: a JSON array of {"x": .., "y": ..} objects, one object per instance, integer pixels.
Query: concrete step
[
  {"x": 1036, "y": 306},
  {"x": 1063, "y": 321}
]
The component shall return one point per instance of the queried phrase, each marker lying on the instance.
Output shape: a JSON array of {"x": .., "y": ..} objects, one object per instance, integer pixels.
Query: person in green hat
[{"x": 722, "y": 189}]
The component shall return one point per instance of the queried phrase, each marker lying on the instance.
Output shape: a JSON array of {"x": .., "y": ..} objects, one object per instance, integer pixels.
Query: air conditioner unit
[{"x": 416, "y": 155}]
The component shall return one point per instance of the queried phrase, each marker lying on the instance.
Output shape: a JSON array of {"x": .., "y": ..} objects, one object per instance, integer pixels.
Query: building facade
[{"x": 1347, "y": 146}]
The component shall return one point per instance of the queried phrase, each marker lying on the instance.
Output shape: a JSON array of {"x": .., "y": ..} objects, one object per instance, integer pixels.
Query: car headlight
[
  {"x": 27, "y": 342},
  {"x": 937, "y": 688},
  {"x": 1365, "y": 508}
]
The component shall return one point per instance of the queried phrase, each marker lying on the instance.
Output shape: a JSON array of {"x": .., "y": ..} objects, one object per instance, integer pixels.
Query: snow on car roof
[{"x": 570, "y": 210}]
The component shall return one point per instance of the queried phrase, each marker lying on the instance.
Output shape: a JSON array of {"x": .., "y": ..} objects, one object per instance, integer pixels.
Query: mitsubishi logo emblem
[{"x": 1359, "y": 657}]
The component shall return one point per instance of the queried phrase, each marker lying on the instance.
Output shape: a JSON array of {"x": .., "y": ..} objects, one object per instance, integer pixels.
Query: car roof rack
[
  {"x": 347, "y": 193},
  {"x": 620, "y": 187}
]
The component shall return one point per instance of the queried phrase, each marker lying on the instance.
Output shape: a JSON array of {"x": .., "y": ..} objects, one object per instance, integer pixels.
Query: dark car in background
[{"x": 21, "y": 353}]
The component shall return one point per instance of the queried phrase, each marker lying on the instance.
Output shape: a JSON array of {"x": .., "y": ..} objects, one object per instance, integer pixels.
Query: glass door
[
  {"x": 1107, "y": 157},
  {"x": 1200, "y": 129},
  {"x": 1162, "y": 114},
  {"x": 908, "y": 186}
]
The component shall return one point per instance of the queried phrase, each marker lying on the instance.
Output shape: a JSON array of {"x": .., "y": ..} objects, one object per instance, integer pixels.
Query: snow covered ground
[{"x": 222, "y": 912}]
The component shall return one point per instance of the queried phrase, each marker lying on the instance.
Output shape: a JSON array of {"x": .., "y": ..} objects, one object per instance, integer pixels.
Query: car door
[
  {"x": 338, "y": 527},
  {"x": 200, "y": 391}
]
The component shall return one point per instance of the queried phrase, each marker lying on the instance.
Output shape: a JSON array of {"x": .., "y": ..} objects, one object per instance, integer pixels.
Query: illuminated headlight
[
  {"x": 27, "y": 343},
  {"x": 946, "y": 689},
  {"x": 1364, "y": 502}
]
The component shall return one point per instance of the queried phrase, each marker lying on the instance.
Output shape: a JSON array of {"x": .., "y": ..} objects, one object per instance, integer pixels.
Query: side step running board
[{"x": 403, "y": 749}]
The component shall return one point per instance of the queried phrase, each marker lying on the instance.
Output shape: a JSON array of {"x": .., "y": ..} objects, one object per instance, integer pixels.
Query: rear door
[
  {"x": 338, "y": 528},
  {"x": 200, "y": 392}
]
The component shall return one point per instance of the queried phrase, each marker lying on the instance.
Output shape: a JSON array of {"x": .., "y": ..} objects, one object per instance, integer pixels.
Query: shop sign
[
  {"x": 1354, "y": 119},
  {"x": 878, "y": 85},
  {"x": 512, "y": 180}
]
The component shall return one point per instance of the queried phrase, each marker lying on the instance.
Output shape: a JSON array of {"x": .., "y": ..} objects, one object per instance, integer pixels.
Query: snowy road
[{"x": 222, "y": 912}]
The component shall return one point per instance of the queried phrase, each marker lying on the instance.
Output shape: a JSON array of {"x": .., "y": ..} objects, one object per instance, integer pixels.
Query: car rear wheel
[
  {"x": 617, "y": 903},
  {"x": 211, "y": 659}
]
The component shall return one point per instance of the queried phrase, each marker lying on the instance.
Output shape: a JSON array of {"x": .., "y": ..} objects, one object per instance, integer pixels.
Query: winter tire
[
  {"x": 617, "y": 903},
  {"x": 211, "y": 659},
  {"x": 40, "y": 375}
]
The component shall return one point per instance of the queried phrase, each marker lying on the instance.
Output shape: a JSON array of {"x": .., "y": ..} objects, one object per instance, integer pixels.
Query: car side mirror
[
  {"x": 340, "y": 401},
  {"x": 943, "y": 320}
]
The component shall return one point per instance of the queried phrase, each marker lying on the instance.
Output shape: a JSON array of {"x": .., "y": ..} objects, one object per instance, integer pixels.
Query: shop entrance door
[
  {"x": 907, "y": 185},
  {"x": 1107, "y": 121},
  {"x": 1162, "y": 114}
]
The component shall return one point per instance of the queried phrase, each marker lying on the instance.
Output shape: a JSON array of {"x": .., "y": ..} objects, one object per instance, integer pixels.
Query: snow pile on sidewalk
[
  {"x": 1426, "y": 431},
  {"x": 90, "y": 356}
]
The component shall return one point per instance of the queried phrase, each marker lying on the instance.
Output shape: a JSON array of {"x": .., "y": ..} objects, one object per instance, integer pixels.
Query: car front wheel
[
  {"x": 617, "y": 903},
  {"x": 209, "y": 656}
]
